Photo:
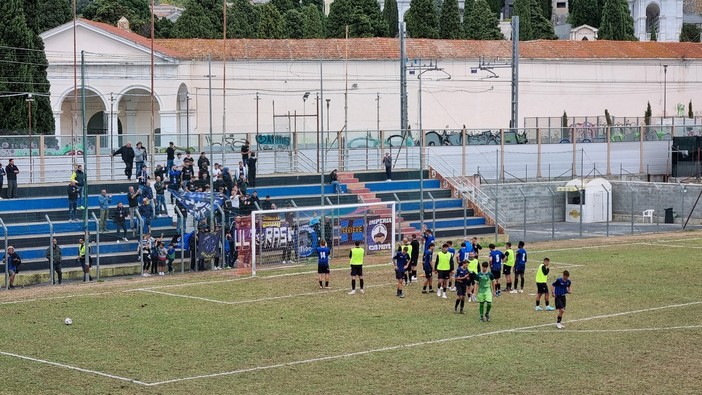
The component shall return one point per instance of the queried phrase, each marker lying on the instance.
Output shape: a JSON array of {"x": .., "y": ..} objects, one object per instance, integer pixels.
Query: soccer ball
[{"x": 68, "y": 321}]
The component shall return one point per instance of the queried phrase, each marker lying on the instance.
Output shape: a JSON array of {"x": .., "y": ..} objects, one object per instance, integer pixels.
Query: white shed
[{"x": 596, "y": 195}]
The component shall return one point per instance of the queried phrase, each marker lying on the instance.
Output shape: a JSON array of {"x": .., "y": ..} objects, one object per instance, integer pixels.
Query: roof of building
[{"x": 389, "y": 48}]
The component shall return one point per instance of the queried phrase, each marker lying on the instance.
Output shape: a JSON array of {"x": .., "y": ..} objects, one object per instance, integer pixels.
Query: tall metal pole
[
  {"x": 30, "y": 99},
  {"x": 514, "y": 121},
  {"x": 209, "y": 79},
  {"x": 421, "y": 160},
  {"x": 85, "y": 148},
  {"x": 152, "y": 131},
  {"x": 377, "y": 116},
  {"x": 324, "y": 145},
  {"x": 582, "y": 189},
  {"x": 187, "y": 121},
  {"x": 258, "y": 98},
  {"x": 112, "y": 116},
  {"x": 224, "y": 84},
  {"x": 346, "y": 96},
  {"x": 665, "y": 90},
  {"x": 497, "y": 192},
  {"x": 328, "y": 117},
  {"x": 403, "y": 80},
  {"x": 74, "y": 154}
]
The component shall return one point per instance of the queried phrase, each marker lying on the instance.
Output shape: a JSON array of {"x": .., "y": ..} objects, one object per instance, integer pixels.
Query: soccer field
[{"x": 633, "y": 325}]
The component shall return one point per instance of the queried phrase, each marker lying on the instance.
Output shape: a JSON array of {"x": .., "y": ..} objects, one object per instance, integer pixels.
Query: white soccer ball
[{"x": 68, "y": 321}]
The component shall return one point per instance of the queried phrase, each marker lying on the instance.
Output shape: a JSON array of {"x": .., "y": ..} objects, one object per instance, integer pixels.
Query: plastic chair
[{"x": 648, "y": 214}]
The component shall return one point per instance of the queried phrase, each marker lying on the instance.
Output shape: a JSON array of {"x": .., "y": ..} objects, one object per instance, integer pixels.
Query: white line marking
[
  {"x": 55, "y": 297},
  {"x": 672, "y": 246},
  {"x": 62, "y": 365},
  {"x": 248, "y": 278},
  {"x": 410, "y": 345},
  {"x": 586, "y": 247},
  {"x": 321, "y": 292},
  {"x": 616, "y": 330}
]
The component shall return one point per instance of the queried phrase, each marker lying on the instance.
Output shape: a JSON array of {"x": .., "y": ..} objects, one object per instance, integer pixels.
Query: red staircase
[{"x": 359, "y": 188}]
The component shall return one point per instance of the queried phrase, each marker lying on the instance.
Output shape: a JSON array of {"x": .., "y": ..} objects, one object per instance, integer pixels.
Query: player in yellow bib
[
  {"x": 356, "y": 255},
  {"x": 507, "y": 266}
]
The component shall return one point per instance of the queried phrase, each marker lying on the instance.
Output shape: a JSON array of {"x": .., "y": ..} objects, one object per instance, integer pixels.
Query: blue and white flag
[{"x": 198, "y": 203}]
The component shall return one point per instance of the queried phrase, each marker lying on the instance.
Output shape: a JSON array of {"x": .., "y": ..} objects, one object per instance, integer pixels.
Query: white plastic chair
[{"x": 648, "y": 214}]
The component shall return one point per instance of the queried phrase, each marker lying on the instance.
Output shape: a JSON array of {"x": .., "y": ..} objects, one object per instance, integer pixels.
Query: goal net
[{"x": 290, "y": 236}]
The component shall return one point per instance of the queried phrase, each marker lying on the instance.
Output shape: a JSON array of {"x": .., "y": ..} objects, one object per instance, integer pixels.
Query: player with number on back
[
  {"x": 561, "y": 287},
  {"x": 496, "y": 257},
  {"x": 520, "y": 266},
  {"x": 323, "y": 264},
  {"x": 401, "y": 260},
  {"x": 428, "y": 269},
  {"x": 356, "y": 255}
]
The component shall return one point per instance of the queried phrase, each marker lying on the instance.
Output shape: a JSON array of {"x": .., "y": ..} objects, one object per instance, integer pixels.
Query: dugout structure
[{"x": 290, "y": 236}]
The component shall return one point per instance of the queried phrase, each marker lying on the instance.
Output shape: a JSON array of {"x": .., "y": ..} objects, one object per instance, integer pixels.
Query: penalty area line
[
  {"x": 70, "y": 367},
  {"x": 410, "y": 345},
  {"x": 651, "y": 329}
]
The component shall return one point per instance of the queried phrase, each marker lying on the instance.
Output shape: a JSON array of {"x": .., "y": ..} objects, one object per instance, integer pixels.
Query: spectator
[
  {"x": 170, "y": 155},
  {"x": 162, "y": 257},
  {"x": 127, "y": 153},
  {"x": 335, "y": 181},
  {"x": 203, "y": 162},
  {"x": 160, "y": 187},
  {"x": 73, "y": 192},
  {"x": 120, "y": 217},
  {"x": 203, "y": 172},
  {"x": 255, "y": 200},
  {"x": 245, "y": 151},
  {"x": 143, "y": 177},
  {"x": 104, "y": 201},
  {"x": 57, "y": 260},
  {"x": 139, "y": 156},
  {"x": 147, "y": 213},
  {"x": 266, "y": 204},
  {"x": 242, "y": 184},
  {"x": 178, "y": 161},
  {"x": 171, "y": 255},
  {"x": 147, "y": 192},
  {"x": 187, "y": 172},
  {"x": 241, "y": 170},
  {"x": 161, "y": 172},
  {"x": 2, "y": 177},
  {"x": 145, "y": 247},
  {"x": 11, "y": 170},
  {"x": 234, "y": 199},
  {"x": 84, "y": 259},
  {"x": 251, "y": 165},
  {"x": 13, "y": 261},
  {"x": 387, "y": 162},
  {"x": 79, "y": 177},
  {"x": 217, "y": 170},
  {"x": 133, "y": 202},
  {"x": 174, "y": 181},
  {"x": 218, "y": 184},
  {"x": 202, "y": 183},
  {"x": 228, "y": 182}
]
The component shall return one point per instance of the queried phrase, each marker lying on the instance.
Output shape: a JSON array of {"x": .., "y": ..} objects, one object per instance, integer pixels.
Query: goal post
[{"x": 290, "y": 236}]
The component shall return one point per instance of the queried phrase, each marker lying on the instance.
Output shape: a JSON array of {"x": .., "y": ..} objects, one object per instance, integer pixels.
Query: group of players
[{"x": 460, "y": 271}]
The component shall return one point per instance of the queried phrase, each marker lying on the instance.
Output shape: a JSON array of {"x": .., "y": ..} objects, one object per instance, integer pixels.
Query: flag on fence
[{"x": 198, "y": 203}]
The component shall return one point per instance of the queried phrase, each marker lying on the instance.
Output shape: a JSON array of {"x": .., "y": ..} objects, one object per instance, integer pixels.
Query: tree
[
  {"x": 495, "y": 6},
  {"x": 421, "y": 19},
  {"x": 50, "y": 13},
  {"x": 450, "y": 21},
  {"x": 482, "y": 23},
  {"x": 541, "y": 27},
  {"x": 284, "y": 6},
  {"x": 294, "y": 22},
  {"x": 362, "y": 16},
  {"x": 617, "y": 23},
  {"x": 137, "y": 12},
  {"x": 690, "y": 114},
  {"x": 546, "y": 8},
  {"x": 647, "y": 115},
  {"x": 163, "y": 28},
  {"x": 585, "y": 12},
  {"x": 23, "y": 68},
  {"x": 690, "y": 33},
  {"x": 522, "y": 8},
  {"x": 313, "y": 27},
  {"x": 654, "y": 36},
  {"x": 242, "y": 19},
  {"x": 194, "y": 23},
  {"x": 271, "y": 24},
  {"x": 390, "y": 14},
  {"x": 317, "y": 3},
  {"x": 608, "y": 118}
]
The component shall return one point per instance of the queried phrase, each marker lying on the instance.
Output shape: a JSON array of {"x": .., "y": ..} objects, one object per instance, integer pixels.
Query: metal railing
[{"x": 97, "y": 245}]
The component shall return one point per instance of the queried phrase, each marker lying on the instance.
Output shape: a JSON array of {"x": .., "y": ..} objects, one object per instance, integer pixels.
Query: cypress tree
[
  {"x": 271, "y": 24},
  {"x": 450, "y": 21},
  {"x": 194, "y": 23},
  {"x": 421, "y": 19},
  {"x": 585, "y": 12},
  {"x": 541, "y": 27},
  {"x": 294, "y": 22},
  {"x": 522, "y": 8},
  {"x": 23, "y": 69},
  {"x": 617, "y": 23},
  {"x": 482, "y": 23},
  {"x": 390, "y": 14},
  {"x": 496, "y": 6},
  {"x": 313, "y": 27}
]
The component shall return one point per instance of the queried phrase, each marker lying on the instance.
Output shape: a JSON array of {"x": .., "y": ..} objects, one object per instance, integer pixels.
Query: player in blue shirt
[
  {"x": 452, "y": 251},
  {"x": 462, "y": 275},
  {"x": 428, "y": 269},
  {"x": 520, "y": 266},
  {"x": 401, "y": 260},
  {"x": 466, "y": 248},
  {"x": 561, "y": 287},
  {"x": 428, "y": 238},
  {"x": 323, "y": 263},
  {"x": 496, "y": 257}
]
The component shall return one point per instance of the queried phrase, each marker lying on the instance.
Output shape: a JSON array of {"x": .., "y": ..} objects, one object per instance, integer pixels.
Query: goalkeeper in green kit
[{"x": 486, "y": 288}]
